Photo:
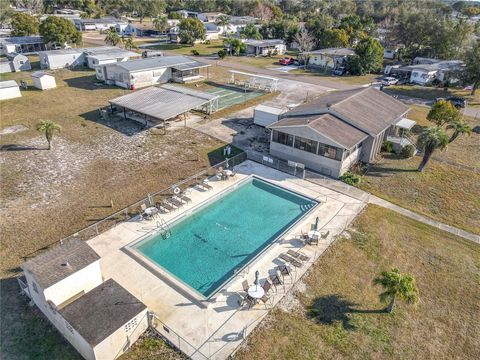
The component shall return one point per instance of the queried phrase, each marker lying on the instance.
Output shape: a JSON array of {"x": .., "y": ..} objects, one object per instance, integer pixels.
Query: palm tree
[
  {"x": 48, "y": 127},
  {"x": 161, "y": 23},
  {"x": 397, "y": 285},
  {"x": 223, "y": 20},
  {"x": 430, "y": 139},
  {"x": 459, "y": 128},
  {"x": 112, "y": 38},
  {"x": 129, "y": 43}
]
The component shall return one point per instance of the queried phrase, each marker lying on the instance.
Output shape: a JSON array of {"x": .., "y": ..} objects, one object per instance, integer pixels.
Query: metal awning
[
  {"x": 163, "y": 103},
  {"x": 405, "y": 123},
  {"x": 190, "y": 66}
]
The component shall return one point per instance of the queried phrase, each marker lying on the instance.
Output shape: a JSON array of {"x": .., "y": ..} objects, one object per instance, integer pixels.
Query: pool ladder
[{"x": 165, "y": 231}]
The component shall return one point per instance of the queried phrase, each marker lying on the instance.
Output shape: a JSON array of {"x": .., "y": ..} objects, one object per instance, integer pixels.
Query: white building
[
  {"x": 43, "y": 81},
  {"x": 134, "y": 74},
  {"x": 98, "y": 24},
  {"x": 264, "y": 47},
  {"x": 9, "y": 90},
  {"x": 14, "y": 62},
  {"x": 22, "y": 45},
  {"x": 330, "y": 58},
  {"x": 264, "y": 115},
  {"x": 91, "y": 57},
  {"x": 100, "y": 319}
]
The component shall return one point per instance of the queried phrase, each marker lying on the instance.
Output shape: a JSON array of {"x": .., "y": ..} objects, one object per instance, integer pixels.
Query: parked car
[
  {"x": 339, "y": 71},
  {"x": 287, "y": 61},
  {"x": 456, "y": 101},
  {"x": 387, "y": 81}
]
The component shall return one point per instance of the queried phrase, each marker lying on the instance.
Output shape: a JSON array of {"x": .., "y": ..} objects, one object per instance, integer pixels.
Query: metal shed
[
  {"x": 159, "y": 104},
  {"x": 9, "y": 89},
  {"x": 264, "y": 115}
]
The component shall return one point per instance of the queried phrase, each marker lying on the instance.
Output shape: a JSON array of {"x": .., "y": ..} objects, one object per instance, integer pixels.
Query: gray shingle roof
[
  {"x": 328, "y": 125},
  {"x": 103, "y": 310},
  {"x": 157, "y": 63},
  {"x": 22, "y": 40},
  {"x": 263, "y": 43},
  {"x": 333, "y": 52},
  {"x": 368, "y": 109},
  {"x": 60, "y": 262}
]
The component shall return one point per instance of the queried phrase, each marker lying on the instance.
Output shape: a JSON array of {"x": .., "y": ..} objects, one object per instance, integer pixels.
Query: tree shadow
[
  {"x": 330, "y": 309},
  {"x": 18, "y": 147}
]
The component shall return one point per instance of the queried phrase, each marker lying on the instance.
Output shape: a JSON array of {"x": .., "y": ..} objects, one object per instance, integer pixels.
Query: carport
[{"x": 156, "y": 105}]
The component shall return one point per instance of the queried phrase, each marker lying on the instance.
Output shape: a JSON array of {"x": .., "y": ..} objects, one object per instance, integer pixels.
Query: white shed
[
  {"x": 9, "y": 89},
  {"x": 43, "y": 81},
  {"x": 266, "y": 115}
]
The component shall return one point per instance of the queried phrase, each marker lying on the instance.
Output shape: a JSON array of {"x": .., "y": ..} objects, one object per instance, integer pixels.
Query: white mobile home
[
  {"x": 43, "y": 81},
  {"x": 134, "y": 74},
  {"x": 66, "y": 285},
  {"x": 59, "y": 59},
  {"x": 98, "y": 24},
  {"x": 264, "y": 47},
  {"x": 331, "y": 58},
  {"x": 9, "y": 90},
  {"x": 22, "y": 45}
]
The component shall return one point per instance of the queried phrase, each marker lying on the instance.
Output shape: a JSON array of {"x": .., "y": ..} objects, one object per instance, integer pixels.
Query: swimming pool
[{"x": 207, "y": 247}]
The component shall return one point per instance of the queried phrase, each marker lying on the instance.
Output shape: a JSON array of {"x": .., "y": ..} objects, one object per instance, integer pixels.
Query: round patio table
[
  {"x": 256, "y": 291},
  {"x": 151, "y": 210},
  {"x": 313, "y": 233},
  {"x": 228, "y": 172}
]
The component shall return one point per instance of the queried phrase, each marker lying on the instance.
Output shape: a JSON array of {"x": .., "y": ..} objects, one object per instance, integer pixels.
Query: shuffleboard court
[{"x": 231, "y": 95}]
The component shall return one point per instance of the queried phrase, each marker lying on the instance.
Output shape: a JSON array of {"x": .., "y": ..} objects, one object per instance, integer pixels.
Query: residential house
[
  {"x": 212, "y": 31},
  {"x": 265, "y": 47},
  {"x": 329, "y": 59},
  {"x": 14, "y": 62},
  {"x": 238, "y": 23},
  {"x": 134, "y": 74},
  {"x": 22, "y": 45},
  {"x": 9, "y": 90},
  {"x": 425, "y": 71},
  {"x": 43, "y": 81},
  {"x": 91, "y": 57},
  {"x": 100, "y": 319},
  {"x": 337, "y": 130},
  {"x": 209, "y": 16},
  {"x": 98, "y": 24},
  {"x": 188, "y": 14}
]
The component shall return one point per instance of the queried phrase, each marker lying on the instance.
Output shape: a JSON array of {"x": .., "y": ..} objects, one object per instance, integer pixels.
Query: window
[
  {"x": 331, "y": 152},
  {"x": 306, "y": 144},
  {"x": 132, "y": 324},
  {"x": 282, "y": 138}
]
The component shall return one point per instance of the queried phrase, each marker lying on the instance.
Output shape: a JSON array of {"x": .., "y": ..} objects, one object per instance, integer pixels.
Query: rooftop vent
[{"x": 65, "y": 264}]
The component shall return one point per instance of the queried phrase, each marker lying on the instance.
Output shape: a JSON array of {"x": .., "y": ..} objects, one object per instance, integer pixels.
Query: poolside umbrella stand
[
  {"x": 257, "y": 274},
  {"x": 316, "y": 224},
  {"x": 149, "y": 200}
]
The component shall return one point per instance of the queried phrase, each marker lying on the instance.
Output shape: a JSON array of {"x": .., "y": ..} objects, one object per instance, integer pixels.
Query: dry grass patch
[
  {"x": 431, "y": 93},
  {"x": 346, "y": 79},
  {"x": 443, "y": 192},
  {"x": 343, "y": 318}
]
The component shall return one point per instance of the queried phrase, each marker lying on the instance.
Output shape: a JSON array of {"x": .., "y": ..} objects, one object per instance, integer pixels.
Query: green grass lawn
[
  {"x": 203, "y": 49},
  {"x": 347, "y": 79},
  {"x": 339, "y": 316}
]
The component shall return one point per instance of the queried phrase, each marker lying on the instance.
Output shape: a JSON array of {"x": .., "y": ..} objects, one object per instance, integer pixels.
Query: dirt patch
[{"x": 13, "y": 129}]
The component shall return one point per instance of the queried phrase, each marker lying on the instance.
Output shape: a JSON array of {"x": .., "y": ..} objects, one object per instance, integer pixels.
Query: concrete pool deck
[{"x": 214, "y": 328}]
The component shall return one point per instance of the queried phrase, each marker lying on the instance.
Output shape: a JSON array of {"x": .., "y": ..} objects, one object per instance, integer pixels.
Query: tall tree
[
  {"x": 146, "y": 8},
  {"x": 305, "y": 43},
  {"x": 472, "y": 67},
  {"x": 459, "y": 128},
  {"x": 370, "y": 55},
  {"x": 191, "y": 30},
  {"x": 60, "y": 31},
  {"x": 129, "y": 43},
  {"x": 48, "y": 128},
  {"x": 112, "y": 37},
  {"x": 431, "y": 139},
  {"x": 251, "y": 32},
  {"x": 396, "y": 286},
  {"x": 443, "y": 112},
  {"x": 235, "y": 45},
  {"x": 161, "y": 23},
  {"x": 24, "y": 24},
  {"x": 334, "y": 38}
]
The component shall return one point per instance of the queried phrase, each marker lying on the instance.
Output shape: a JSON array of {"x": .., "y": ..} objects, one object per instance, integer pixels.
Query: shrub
[
  {"x": 195, "y": 52},
  {"x": 407, "y": 152},
  {"x": 222, "y": 54},
  {"x": 387, "y": 146},
  {"x": 350, "y": 178}
]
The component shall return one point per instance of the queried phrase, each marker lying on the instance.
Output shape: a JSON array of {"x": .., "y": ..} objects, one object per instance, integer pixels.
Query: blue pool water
[{"x": 206, "y": 247}]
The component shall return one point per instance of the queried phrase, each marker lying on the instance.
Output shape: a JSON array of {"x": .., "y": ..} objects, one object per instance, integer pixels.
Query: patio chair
[
  {"x": 184, "y": 198},
  {"x": 175, "y": 202},
  {"x": 245, "y": 286},
  {"x": 325, "y": 235},
  {"x": 265, "y": 298},
  {"x": 304, "y": 236},
  {"x": 168, "y": 204},
  {"x": 298, "y": 255},
  {"x": 312, "y": 240},
  {"x": 206, "y": 185},
  {"x": 275, "y": 279},
  {"x": 290, "y": 260},
  {"x": 247, "y": 299},
  {"x": 284, "y": 270},
  {"x": 266, "y": 286}
]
